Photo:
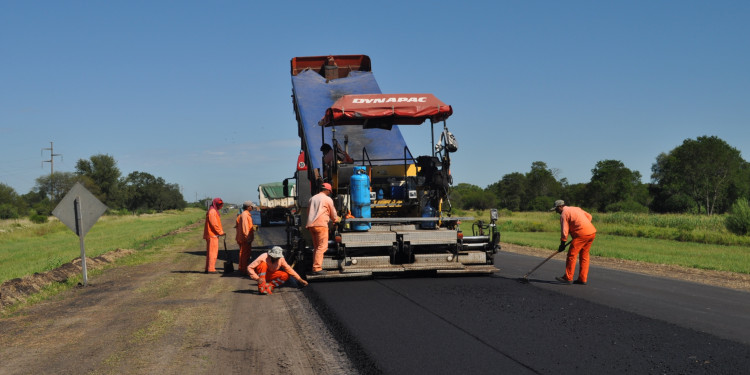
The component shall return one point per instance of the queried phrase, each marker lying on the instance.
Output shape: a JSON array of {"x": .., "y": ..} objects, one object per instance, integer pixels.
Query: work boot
[
  {"x": 319, "y": 273},
  {"x": 563, "y": 280},
  {"x": 579, "y": 282}
]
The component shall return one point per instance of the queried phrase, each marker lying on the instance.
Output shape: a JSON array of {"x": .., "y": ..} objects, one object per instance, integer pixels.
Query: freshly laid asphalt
[{"x": 619, "y": 323}]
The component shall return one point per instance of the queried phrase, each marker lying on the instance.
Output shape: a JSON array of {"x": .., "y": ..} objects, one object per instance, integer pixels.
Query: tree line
[
  {"x": 137, "y": 192},
  {"x": 703, "y": 176}
]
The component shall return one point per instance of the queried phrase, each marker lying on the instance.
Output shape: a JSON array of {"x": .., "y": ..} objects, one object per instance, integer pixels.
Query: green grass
[
  {"x": 27, "y": 248},
  {"x": 684, "y": 240}
]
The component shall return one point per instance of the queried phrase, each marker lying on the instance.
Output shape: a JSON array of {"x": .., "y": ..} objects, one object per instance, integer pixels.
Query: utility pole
[{"x": 51, "y": 162}]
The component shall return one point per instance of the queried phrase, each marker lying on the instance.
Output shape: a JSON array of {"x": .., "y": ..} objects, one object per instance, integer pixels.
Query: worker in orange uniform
[
  {"x": 271, "y": 270},
  {"x": 211, "y": 232},
  {"x": 245, "y": 235},
  {"x": 577, "y": 223},
  {"x": 321, "y": 212}
]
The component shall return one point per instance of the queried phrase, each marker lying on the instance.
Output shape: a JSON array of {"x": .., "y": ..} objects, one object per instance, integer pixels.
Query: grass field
[
  {"x": 26, "y": 248},
  {"x": 684, "y": 240}
]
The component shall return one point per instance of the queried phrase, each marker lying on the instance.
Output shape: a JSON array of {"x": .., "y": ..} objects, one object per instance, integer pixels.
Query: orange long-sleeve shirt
[
  {"x": 213, "y": 224},
  {"x": 272, "y": 267},
  {"x": 244, "y": 227},
  {"x": 575, "y": 221},
  {"x": 321, "y": 210}
]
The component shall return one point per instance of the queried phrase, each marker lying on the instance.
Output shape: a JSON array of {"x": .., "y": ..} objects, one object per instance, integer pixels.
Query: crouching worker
[{"x": 271, "y": 270}]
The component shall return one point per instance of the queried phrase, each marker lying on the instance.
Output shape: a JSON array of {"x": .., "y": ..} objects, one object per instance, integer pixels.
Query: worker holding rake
[
  {"x": 577, "y": 223},
  {"x": 271, "y": 270}
]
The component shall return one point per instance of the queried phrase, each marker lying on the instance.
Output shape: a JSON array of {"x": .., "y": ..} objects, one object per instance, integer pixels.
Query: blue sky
[{"x": 198, "y": 92}]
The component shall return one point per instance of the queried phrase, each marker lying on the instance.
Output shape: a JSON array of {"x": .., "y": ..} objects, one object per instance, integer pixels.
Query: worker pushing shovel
[{"x": 577, "y": 223}]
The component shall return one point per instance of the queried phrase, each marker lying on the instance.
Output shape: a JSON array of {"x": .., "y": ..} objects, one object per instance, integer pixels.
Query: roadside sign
[
  {"x": 91, "y": 209},
  {"x": 79, "y": 210}
]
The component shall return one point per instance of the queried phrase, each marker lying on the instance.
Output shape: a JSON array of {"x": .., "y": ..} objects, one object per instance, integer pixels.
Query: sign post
[{"x": 79, "y": 210}]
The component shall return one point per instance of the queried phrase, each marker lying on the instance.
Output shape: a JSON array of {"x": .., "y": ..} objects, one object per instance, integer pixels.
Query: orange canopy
[{"x": 385, "y": 110}]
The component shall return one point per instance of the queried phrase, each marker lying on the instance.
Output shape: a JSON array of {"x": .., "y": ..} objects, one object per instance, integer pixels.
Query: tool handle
[
  {"x": 545, "y": 261},
  {"x": 225, "y": 248}
]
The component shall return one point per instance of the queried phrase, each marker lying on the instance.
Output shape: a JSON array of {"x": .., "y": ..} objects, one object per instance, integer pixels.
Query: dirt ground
[{"x": 169, "y": 317}]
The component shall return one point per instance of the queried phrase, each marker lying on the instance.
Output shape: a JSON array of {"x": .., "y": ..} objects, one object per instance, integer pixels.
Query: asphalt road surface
[{"x": 619, "y": 323}]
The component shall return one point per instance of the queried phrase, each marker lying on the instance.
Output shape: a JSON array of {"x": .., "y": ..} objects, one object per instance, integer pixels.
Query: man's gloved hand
[{"x": 561, "y": 248}]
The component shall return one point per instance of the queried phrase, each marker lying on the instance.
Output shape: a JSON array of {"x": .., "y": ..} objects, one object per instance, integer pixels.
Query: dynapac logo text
[{"x": 402, "y": 99}]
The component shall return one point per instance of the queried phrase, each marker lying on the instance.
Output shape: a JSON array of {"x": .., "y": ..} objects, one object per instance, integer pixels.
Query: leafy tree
[
  {"x": 36, "y": 201},
  {"x": 541, "y": 203},
  {"x": 468, "y": 196},
  {"x": 575, "y": 194},
  {"x": 706, "y": 169},
  {"x": 611, "y": 182},
  {"x": 9, "y": 202},
  {"x": 480, "y": 200},
  {"x": 143, "y": 191},
  {"x": 541, "y": 186},
  {"x": 7, "y": 194},
  {"x": 510, "y": 191},
  {"x": 458, "y": 192},
  {"x": 49, "y": 190},
  {"x": 664, "y": 200},
  {"x": 103, "y": 172}
]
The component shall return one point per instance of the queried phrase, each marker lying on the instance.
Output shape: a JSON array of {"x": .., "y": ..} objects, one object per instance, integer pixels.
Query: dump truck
[
  {"x": 273, "y": 203},
  {"x": 395, "y": 206}
]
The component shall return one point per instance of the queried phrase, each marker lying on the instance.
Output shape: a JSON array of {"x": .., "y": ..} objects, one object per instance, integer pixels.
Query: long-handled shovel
[
  {"x": 525, "y": 278},
  {"x": 228, "y": 266}
]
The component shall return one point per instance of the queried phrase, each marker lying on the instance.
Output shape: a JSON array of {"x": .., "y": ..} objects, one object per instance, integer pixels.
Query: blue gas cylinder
[
  {"x": 360, "y": 194},
  {"x": 428, "y": 211}
]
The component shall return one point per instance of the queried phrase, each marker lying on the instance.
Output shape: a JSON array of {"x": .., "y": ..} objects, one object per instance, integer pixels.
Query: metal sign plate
[{"x": 91, "y": 209}]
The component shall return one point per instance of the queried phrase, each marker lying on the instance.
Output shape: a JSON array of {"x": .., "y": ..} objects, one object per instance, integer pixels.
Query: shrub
[
  {"x": 7, "y": 211},
  {"x": 120, "y": 212},
  {"x": 738, "y": 220},
  {"x": 504, "y": 212},
  {"x": 38, "y": 219},
  {"x": 627, "y": 206}
]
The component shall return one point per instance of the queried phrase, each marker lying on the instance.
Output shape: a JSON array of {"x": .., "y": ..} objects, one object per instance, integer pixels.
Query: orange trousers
[
  {"x": 579, "y": 247},
  {"x": 320, "y": 246},
  {"x": 270, "y": 281},
  {"x": 212, "y": 252},
  {"x": 245, "y": 250}
]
